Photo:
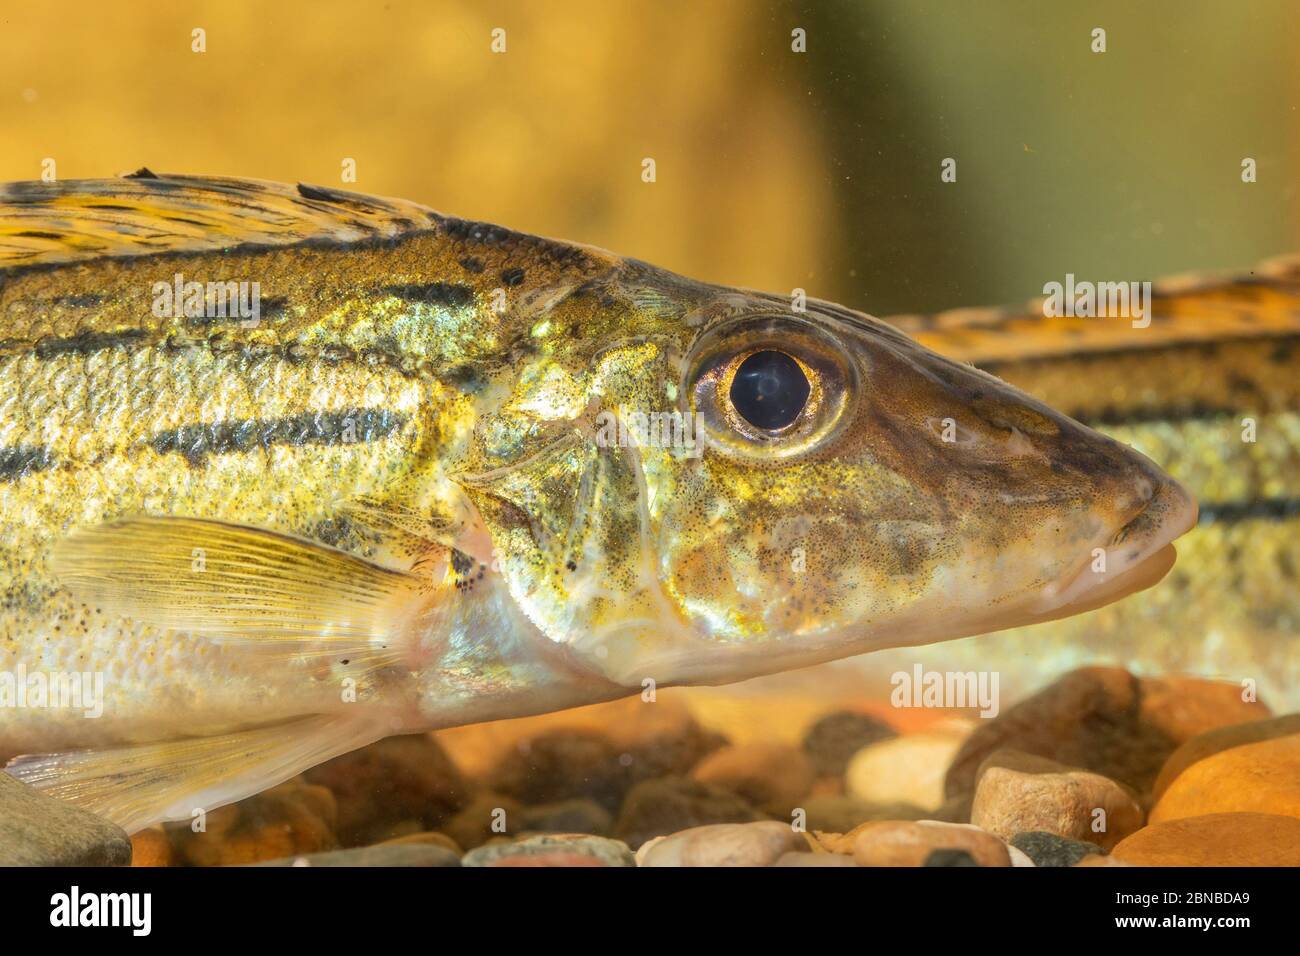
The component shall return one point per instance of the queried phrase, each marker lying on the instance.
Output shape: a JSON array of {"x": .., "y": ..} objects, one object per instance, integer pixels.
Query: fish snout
[{"x": 1140, "y": 511}]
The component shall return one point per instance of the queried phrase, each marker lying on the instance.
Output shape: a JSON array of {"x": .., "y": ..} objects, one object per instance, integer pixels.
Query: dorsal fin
[
  {"x": 146, "y": 213},
  {"x": 1262, "y": 302}
]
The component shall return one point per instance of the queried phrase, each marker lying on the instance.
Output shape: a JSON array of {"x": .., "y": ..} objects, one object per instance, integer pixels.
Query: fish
[
  {"x": 289, "y": 469},
  {"x": 1210, "y": 388}
]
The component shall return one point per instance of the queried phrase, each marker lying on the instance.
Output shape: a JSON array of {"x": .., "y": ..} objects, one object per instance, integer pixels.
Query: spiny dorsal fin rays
[
  {"x": 238, "y": 584},
  {"x": 1204, "y": 307},
  {"x": 79, "y": 219}
]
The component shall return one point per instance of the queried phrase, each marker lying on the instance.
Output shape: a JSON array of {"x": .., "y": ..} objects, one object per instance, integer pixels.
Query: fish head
[
  {"x": 858, "y": 491},
  {"x": 834, "y": 488}
]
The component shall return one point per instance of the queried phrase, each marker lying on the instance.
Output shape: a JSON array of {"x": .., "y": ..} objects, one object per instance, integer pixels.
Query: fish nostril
[
  {"x": 1145, "y": 489},
  {"x": 1124, "y": 532},
  {"x": 1020, "y": 446},
  {"x": 1138, "y": 510},
  {"x": 1015, "y": 418}
]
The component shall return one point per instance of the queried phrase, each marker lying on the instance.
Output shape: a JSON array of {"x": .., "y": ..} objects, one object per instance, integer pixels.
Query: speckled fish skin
[
  {"x": 424, "y": 392},
  {"x": 1221, "y": 351}
]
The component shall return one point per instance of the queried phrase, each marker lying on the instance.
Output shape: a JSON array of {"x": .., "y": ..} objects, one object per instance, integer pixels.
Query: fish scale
[{"x": 390, "y": 505}]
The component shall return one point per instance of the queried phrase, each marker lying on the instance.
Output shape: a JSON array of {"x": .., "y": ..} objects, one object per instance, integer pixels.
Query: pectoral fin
[
  {"x": 139, "y": 786},
  {"x": 237, "y": 584}
]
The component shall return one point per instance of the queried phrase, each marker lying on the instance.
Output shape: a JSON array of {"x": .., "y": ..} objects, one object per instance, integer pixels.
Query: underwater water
[{"x": 911, "y": 161}]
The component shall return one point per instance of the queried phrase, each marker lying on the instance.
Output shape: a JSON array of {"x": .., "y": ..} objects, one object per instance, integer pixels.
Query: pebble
[
  {"x": 1222, "y": 738},
  {"x": 1048, "y": 849},
  {"x": 833, "y": 739},
  {"x": 658, "y": 740},
  {"x": 910, "y": 843},
  {"x": 839, "y": 843},
  {"x": 383, "y": 854},
  {"x": 1105, "y": 720},
  {"x": 1216, "y": 839},
  {"x": 39, "y": 830},
  {"x": 151, "y": 847},
  {"x": 428, "y": 838},
  {"x": 1261, "y": 777},
  {"x": 553, "y": 850},
  {"x": 567, "y": 816},
  {"x": 1019, "y": 857},
  {"x": 399, "y": 783},
  {"x": 292, "y": 819},
  {"x": 1184, "y": 707},
  {"x": 840, "y": 814},
  {"x": 724, "y": 844},
  {"x": 487, "y": 815},
  {"x": 956, "y": 809},
  {"x": 773, "y": 777},
  {"x": 654, "y": 738},
  {"x": 401, "y": 828},
  {"x": 670, "y": 804},
  {"x": 1094, "y": 860},
  {"x": 1017, "y": 792},
  {"x": 908, "y": 769},
  {"x": 563, "y": 765}
]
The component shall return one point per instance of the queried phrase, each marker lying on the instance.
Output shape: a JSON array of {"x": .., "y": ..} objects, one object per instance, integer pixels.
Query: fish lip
[
  {"x": 1102, "y": 590},
  {"x": 1138, "y": 555}
]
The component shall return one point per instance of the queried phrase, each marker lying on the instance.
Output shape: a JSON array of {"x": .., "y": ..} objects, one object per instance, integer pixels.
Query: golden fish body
[
  {"x": 364, "y": 378},
  {"x": 451, "y": 473}
]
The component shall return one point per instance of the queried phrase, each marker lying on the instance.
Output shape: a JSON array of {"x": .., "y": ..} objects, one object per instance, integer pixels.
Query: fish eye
[
  {"x": 769, "y": 390},
  {"x": 769, "y": 386}
]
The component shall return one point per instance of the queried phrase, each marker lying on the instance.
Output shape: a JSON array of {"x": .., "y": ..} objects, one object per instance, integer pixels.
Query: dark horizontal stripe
[
  {"x": 183, "y": 219},
  {"x": 86, "y": 342},
  {"x": 1191, "y": 411},
  {"x": 357, "y": 426},
  {"x": 219, "y": 343},
  {"x": 85, "y": 300},
  {"x": 467, "y": 230},
  {"x": 268, "y": 308},
  {"x": 353, "y": 200},
  {"x": 1283, "y": 346},
  {"x": 561, "y": 254},
  {"x": 433, "y": 293},
  {"x": 23, "y": 460},
  {"x": 15, "y": 270},
  {"x": 1267, "y": 509}
]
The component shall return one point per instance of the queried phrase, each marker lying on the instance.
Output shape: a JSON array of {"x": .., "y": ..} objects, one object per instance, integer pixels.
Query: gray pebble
[{"x": 36, "y": 830}]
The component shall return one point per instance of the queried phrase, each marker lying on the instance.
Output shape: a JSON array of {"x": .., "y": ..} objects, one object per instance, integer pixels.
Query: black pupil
[{"x": 769, "y": 390}]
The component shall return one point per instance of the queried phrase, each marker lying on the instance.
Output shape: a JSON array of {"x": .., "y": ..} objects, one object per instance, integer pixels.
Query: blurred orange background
[{"x": 775, "y": 169}]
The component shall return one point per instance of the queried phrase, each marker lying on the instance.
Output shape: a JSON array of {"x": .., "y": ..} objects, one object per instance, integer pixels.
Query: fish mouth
[{"x": 1138, "y": 555}]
